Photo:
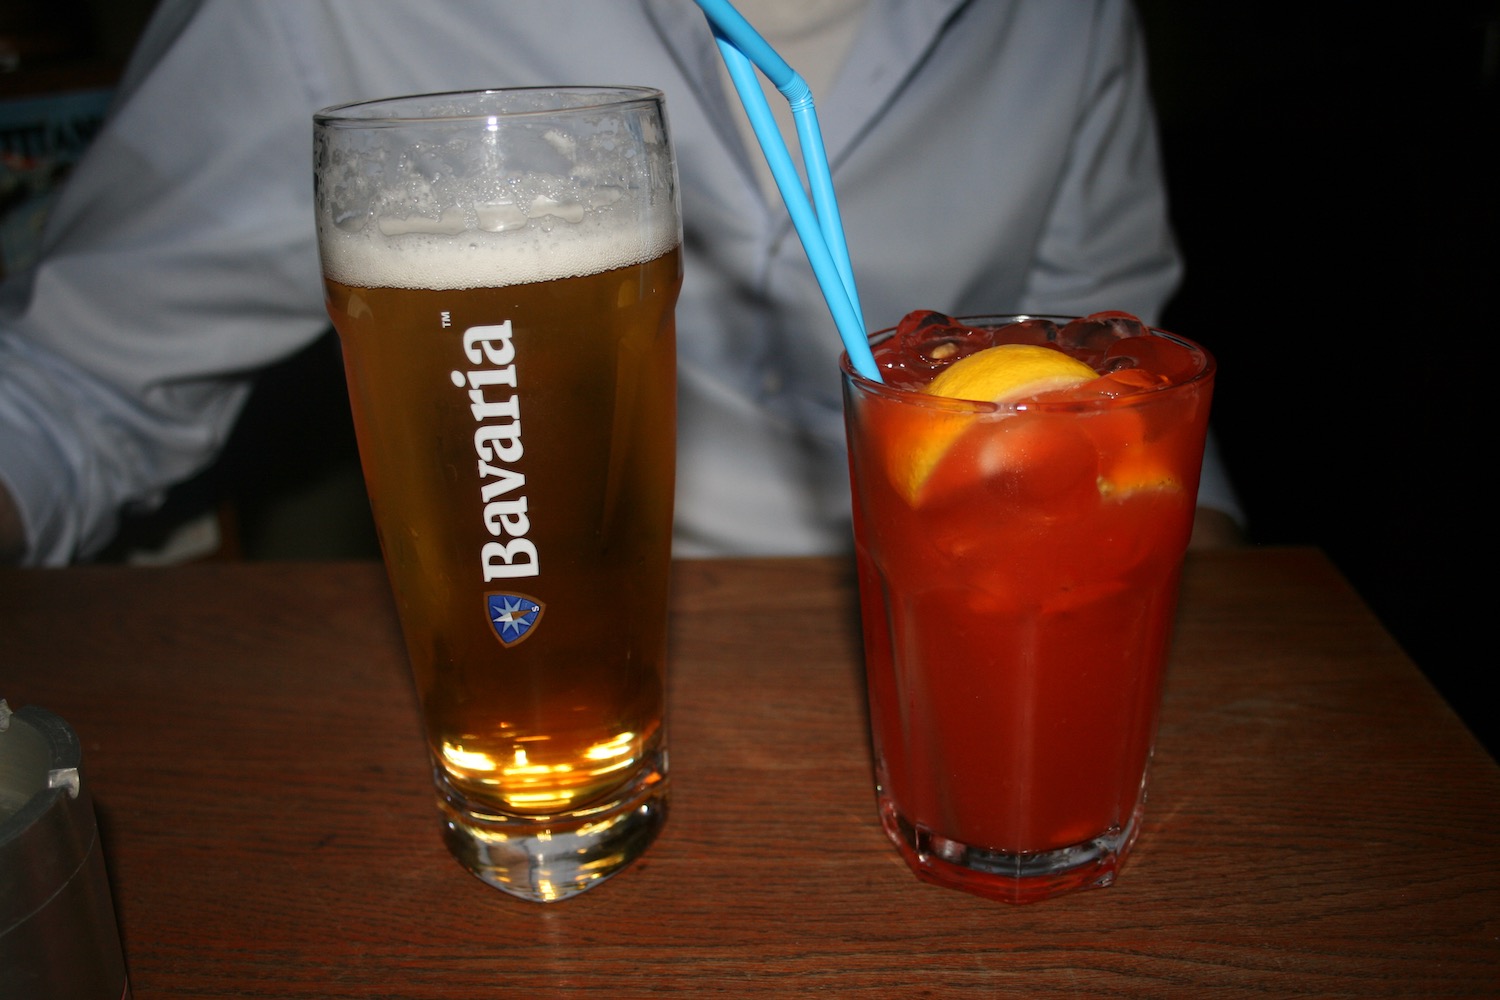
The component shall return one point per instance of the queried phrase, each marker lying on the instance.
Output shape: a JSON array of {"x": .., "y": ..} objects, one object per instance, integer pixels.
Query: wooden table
[{"x": 1320, "y": 822}]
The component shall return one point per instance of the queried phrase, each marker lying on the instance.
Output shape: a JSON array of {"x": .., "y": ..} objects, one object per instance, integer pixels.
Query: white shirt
[{"x": 989, "y": 155}]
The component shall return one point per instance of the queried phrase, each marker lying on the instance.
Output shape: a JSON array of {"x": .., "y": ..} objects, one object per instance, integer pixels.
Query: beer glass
[{"x": 502, "y": 268}]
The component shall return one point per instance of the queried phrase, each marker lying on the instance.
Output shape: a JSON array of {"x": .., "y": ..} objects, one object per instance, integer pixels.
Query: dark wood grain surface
[{"x": 1320, "y": 823}]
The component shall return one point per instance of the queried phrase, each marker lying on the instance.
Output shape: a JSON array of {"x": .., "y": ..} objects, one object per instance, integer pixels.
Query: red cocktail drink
[{"x": 1018, "y": 572}]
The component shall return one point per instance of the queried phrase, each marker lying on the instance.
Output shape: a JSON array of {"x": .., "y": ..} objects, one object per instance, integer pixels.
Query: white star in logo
[{"x": 510, "y": 620}]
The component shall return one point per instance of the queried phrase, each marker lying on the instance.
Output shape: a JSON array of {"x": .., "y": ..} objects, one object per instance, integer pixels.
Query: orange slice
[{"x": 1007, "y": 373}]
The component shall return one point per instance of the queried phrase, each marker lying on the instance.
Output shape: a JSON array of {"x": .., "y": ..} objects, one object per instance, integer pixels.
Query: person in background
[{"x": 990, "y": 156}]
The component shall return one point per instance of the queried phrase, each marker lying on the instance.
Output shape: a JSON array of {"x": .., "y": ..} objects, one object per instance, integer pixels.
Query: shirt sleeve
[
  {"x": 179, "y": 259},
  {"x": 1107, "y": 241}
]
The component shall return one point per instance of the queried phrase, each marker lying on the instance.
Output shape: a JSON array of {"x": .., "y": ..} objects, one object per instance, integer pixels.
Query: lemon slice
[
  {"x": 1009, "y": 372},
  {"x": 1006, "y": 373},
  {"x": 1128, "y": 475}
]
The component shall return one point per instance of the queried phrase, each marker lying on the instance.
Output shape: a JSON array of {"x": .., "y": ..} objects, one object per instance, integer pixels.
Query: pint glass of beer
[{"x": 502, "y": 268}]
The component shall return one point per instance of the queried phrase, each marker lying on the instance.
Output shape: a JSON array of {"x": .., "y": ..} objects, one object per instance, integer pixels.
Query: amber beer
[
  {"x": 513, "y": 397},
  {"x": 539, "y": 721}
]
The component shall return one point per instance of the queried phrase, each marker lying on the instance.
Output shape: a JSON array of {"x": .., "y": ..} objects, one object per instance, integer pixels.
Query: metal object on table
[{"x": 58, "y": 936}]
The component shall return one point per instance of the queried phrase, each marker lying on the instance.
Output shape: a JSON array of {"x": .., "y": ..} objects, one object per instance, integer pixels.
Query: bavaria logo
[{"x": 512, "y": 616}]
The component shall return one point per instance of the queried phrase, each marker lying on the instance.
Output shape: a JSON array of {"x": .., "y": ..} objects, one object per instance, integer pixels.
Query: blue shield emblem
[{"x": 512, "y": 616}]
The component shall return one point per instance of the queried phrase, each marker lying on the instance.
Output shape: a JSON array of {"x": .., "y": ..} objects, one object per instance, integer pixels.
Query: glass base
[
  {"x": 1010, "y": 878},
  {"x": 551, "y": 858}
]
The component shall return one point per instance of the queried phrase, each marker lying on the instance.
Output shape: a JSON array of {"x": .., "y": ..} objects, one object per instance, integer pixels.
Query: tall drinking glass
[
  {"x": 502, "y": 268},
  {"x": 1018, "y": 568}
]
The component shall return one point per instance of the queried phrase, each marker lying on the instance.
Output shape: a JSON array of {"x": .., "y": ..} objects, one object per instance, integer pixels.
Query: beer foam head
[
  {"x": 491, "y": 189},
  {"x": 477, "y": 259}
]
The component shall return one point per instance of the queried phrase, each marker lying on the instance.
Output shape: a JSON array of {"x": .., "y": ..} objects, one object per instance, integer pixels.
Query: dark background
[{"x": 1334, "y": 183}]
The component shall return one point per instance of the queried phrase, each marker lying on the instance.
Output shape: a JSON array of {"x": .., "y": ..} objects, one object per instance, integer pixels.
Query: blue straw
[{"x": 820, "y": 229}]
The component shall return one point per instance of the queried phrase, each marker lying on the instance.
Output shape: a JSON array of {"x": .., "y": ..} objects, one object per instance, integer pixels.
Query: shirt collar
[{"x": 890, "y": 45}]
